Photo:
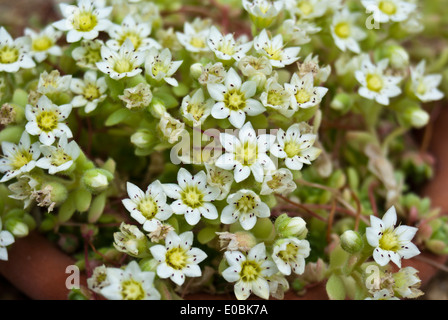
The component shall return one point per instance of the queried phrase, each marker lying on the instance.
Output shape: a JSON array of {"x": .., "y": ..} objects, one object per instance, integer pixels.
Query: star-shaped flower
[
  {"x": 234, "y": 99},
  {"x": 193, "y": 196},
  {"x": 390, "y": 243},
  {"x": 177, "y": 258}
]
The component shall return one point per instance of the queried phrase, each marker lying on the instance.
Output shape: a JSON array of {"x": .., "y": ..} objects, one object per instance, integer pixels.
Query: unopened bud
[
  {"x": 341, "y": 102},
  {"x": 143, "y": 139},
  {"x": 148, "y": 264},
  {"x": 131, "y": 240},
  {"x": 196, "y": 70},
  {"x": 97, "y": 180},
  {"x": 351, "y": 241},
  {"x": 157, "y": 108},
  {"x": 17, "y": 227},
  {"x": 290, "y": 227}
]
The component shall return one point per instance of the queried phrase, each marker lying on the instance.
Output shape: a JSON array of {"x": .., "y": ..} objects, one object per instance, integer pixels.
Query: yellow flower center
[
  {"x": 176, "y": 258},
  {"x": 85, "y": 21},
  {"x": 292, "y": 148},
  {"x": 235, "y": 100},
  {"x": 275, "y": 98},
  {"x": 91, "y": 92},
  {"x": 275, "y": 182},
  {"x": 374, "y": 82},
  {"x": 148, "y": 207},
  {"x": 132, "y": 290},
  {"x": 246, "y": 153},
  {"x": 246, "y": 203},
  {"x": 123, "y": 66},
  {"x": 274, "y": 54},
  {"x": 197, "y": 42},
  {"x": 227, "y": 48},
  {"x": 21, "y": 158},
  {"x": 159, "y": 67},
  {"x": 388, "y": 7},
  {"x": 289, "y": 253},
  {"x": 306, "y": 7},
  {"x": 134, "y": 37},
  {"x": 196, "y": 110},
  {"x": 47, "y": 121},
  {"x": 42, "y": 43},
  {"x": 250, "y": 271},
  {"x": 389, "y": 241},
  {"x": 192, "y": 197},
  {"x": 342, "y": 30},
  {"x": 8, "y": 55},
  {"x": 302, "y": 96},
  {"x": 59, "y": 157}
]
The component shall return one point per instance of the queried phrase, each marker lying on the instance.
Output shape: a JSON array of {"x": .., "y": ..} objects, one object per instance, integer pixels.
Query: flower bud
[
  {"x": 157, "y": 108},
  {"x": 148, "y": 264},
  {"x": 143, "y": 139},
  {"x": 416, "y": 117},
  {"x": 132, "y": 241},
  {"x": 196, "y": 70},
  {"x": 290, "y": 227},
  {"x": 341, "y": 102},
  {"x": 351, "y": 241},
  {"x": 238, "y": 241},
  {"x": 17, "y": 227},
  {"x": 97, "y": 180}
]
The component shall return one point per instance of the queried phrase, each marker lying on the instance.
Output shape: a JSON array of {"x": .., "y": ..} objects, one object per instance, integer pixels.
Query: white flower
[
  {"x": 148, "y": 208},
  {"x": 297, "y": 32},
  {"x": 88, "y": 54},
  {"x": 192, "y": 39},
  {"x": 309, "y": 9},
  {"x": 279, "y": 181},
  {"x": 251, "y": 66},
  {"x": 6, "y": 239},
  {"x": 212, "y": 73},
  {"x": 262, "y": 12},
  {"x": 52, "y": 83},
  {"x": 193, "y": 196},
  {"x": 234, "y": 99},
  {"x": 177, "y": 258},
  {"x": 196, "y": 109},
  {"x": 274, "y": 50},
  {"x": 131, "y": 240},
  {"x": 246, "y": 154},
  {"x": 244, "y": 206},
  {"x": 84, "y": 20},
  {"x": 129, "y": 284},
  {"x": 295, "y": 147},
  {"x": 278, "y": 285},
  {"x": 123, "y": 63},
  {"x": 138, "y": 33},
  {"x": 406, "y": 283},
  {"x": 14, "y": 54},
  {"x": 383, "y": 294},
  {"x": 171, "y": 128},
  {"x": 59, "y": 158},
  {"x": 389, "y": 10},
  {"x": 425, "y": 86},
  {"x": 390, "y": 243},
  {"x": 159, "y": 66},
  {"x": 375, "y": 84},
  {"x": 23, "y": 189},
  {"x": 220, "y": 178},
  {"x": 137, "y": 97},
  {"x": 44, "y": 43},
  {"x": 18, "y": 159},
  {"x": 46, "y": 120},
  {"x": 277, "y": 97},
  {"x": 303, "y": 92},
  {"x": 225, "y": 47},
  {"x": 345, "y": 33},
  {"x": 249, "y": 272},
  {"x": 89, "y": 92},
  {"x": 289, "y": 255}
]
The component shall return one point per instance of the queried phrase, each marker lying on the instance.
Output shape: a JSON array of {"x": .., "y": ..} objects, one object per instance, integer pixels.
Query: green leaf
[
  {"x": 335, "y": 288},
  {"x": 117, "y": 117},
  {"x": 83, "y": 198},
  {"x": 67, "y": 209},
  {"x": 338, "y": 257},
  {"x": 97, "y": 207},
  {"x": 207, "y": 234}
]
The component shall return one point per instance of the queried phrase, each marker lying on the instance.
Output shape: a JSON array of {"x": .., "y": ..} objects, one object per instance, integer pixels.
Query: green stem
[{"x": 391, "y": 137}]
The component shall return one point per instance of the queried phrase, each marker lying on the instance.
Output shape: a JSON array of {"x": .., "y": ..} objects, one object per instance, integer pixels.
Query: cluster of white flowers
[{"x": 234, "y": 84}]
